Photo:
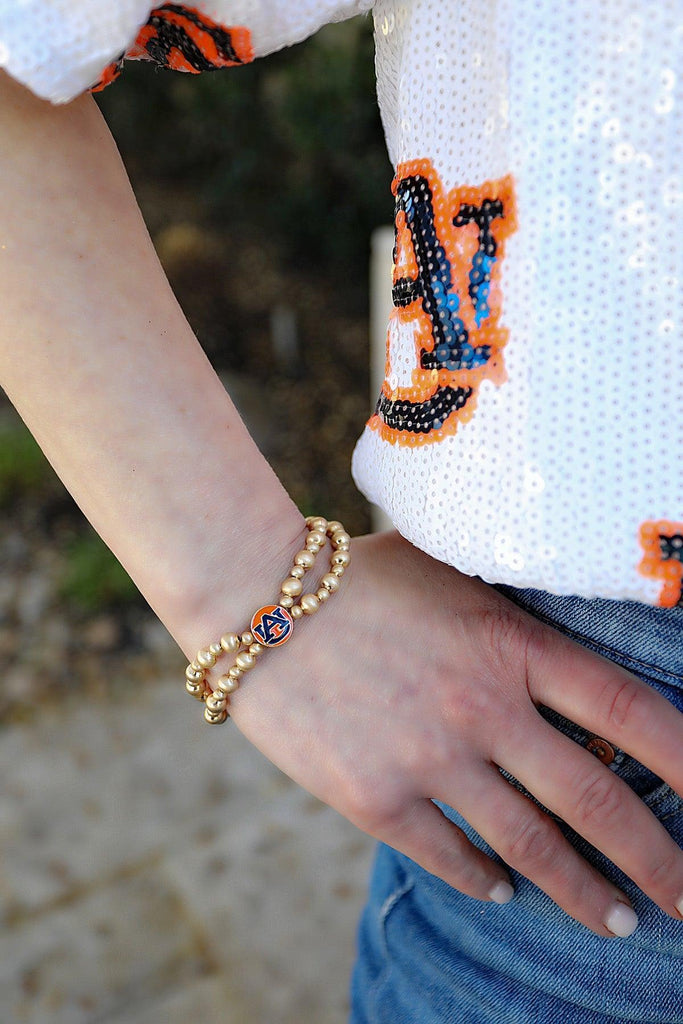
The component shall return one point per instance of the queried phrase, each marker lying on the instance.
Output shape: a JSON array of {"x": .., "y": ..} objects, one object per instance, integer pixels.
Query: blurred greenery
[
  {"x": 92, "y": 578},
  {"x": 24, "y": 470},
  {"x": 290, "y": 146}
]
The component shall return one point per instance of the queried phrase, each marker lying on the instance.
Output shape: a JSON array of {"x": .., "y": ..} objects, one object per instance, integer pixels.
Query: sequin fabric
[
  {"x": 547, "y": 474},
  {"x": 529, "y": 423}
]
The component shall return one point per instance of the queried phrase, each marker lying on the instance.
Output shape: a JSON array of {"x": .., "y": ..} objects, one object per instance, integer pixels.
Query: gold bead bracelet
[{"x": 272, "y": 624}]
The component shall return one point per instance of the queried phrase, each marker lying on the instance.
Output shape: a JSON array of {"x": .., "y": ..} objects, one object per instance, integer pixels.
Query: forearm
[{"x": 100, "y": 362}]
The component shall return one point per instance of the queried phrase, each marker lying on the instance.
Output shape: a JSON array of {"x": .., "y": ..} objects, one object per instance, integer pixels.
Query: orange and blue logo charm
[{"x": 272, "y": 625}]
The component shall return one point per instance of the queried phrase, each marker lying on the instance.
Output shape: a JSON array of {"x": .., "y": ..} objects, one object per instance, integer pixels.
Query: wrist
[{"x": 242, "y": 570}]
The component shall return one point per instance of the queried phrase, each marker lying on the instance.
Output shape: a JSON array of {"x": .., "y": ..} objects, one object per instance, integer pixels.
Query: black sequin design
[
  {"x": 422, "y": 417},
  {"x": 169, "y": 36},
  {"x": 432, "y": 287},
  {"x": 672, "y": 550}
]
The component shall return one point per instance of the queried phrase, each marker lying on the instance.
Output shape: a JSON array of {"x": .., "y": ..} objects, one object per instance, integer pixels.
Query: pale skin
[{"x": 414, "y": 683}]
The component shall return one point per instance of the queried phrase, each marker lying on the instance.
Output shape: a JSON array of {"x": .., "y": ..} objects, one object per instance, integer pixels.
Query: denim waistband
[{"x": 645, "y": 639}]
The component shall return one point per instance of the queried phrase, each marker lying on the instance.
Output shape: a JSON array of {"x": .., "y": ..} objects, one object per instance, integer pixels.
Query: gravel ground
[{"x": 153, "y": 870}]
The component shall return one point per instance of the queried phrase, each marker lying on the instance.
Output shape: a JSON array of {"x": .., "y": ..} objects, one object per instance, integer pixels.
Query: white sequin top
[{"x": 531, "y": 417}]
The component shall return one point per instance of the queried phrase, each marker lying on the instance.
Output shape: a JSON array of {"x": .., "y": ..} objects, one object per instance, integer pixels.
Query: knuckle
[
  {"x": 599, "y": 802},
  {"x": 457, "y": 864},
  {"x": 660, "y": 876},
  {"x": 508, "y": 640},
  {"x": 368, "y": 809},
  {"x": 463, "y": 710},
  {"x": 532, "y": 845},
  {"x": 621, "y": 704}
]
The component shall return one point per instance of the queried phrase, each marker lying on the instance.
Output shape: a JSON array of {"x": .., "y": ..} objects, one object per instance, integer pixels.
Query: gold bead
[
  {"x": 247, "y": 639},
  {"x": 316, "y": 537},
  {"x": 338, "y": 571},
  {"x": 291, "y": 587},
  {"x": 215, "y": 718},
  {"x": 227, "y": 684},
  {"x": 322, "y": 594},
  {"x": 193, "y": 674},
  {"x": 298, "y": 572},
  {"x": 313, "y": 547},
  {"x": 333, "y": 527},
  {"x": 230, "y": 642},
  {"x": 296, "y": 612},
  {"x": 305, "y": 558},
  {"x": 194, "y": 688},
  {"x": 286, "y": 602},
  {"x": 215, "y": 704},
  {"x": 309, "y": 604},
  {"x": 340, "y": 558},
  {"x": 216, "y": 648},
  {"x": 245, "y": 661},
  {"x": 317, "y": 523},
  {"x": 341, "y": 539},
  {"x": 206, "y": 659},
  {"x": 235, "y": 672},
  {"x": 196, "y": 666},
  {"x": 330, "y": 582},
  {"x": 256, "y": 649}
]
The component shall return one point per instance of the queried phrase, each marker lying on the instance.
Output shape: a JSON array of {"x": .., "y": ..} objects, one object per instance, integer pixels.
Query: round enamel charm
[{"x": 272, "y": 625}]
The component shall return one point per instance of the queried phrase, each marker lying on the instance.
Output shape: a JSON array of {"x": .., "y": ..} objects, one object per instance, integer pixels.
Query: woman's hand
[{"x": 416, "y": 683}]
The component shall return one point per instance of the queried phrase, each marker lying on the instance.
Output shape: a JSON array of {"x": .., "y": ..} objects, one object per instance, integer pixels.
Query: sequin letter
[
  {"x": 447, "y": 302},
  {"x": 183, "y": 39},
  {"x": 272, "y": 625},
  {"x": 662, "y": 543}
]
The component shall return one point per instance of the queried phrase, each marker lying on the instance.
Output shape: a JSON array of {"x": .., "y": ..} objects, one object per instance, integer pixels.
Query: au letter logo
[{"x": 444, "y": 334}]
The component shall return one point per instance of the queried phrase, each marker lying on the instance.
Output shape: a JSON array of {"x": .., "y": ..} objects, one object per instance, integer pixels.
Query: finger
[
  {"x": 531, "y": 843},
  {"x": 611, "y": 702},
  {"x": 426, "y": 835},
  {"x": 600, "y": 807}
]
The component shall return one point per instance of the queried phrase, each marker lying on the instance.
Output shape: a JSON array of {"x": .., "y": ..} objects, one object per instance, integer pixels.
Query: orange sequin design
[
  {"x": 447, "y": 259},
  {"x": 662, "y": 542},
  {"x": 183, "y": 39}
]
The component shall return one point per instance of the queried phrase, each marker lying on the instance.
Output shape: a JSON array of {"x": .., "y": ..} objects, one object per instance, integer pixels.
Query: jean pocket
[{"x": 391, "y": 906}]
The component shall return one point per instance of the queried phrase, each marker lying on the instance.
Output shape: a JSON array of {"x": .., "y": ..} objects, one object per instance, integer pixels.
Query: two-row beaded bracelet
[{"x": 271, "y": 625}]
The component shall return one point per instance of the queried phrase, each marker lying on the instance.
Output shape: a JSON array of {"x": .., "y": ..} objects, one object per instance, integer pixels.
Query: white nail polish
[
  {"x": 621, "y": 920},
  {"x": 502, "y": 892}
]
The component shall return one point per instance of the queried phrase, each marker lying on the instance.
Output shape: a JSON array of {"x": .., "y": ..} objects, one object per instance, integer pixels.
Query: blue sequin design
[{"x": 433, "y": 285}]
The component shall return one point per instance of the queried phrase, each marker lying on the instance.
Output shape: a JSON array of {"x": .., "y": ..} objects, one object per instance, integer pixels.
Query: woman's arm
[
  {"x": 99, "y": 360},
  {"x": 415, "y": 683}
]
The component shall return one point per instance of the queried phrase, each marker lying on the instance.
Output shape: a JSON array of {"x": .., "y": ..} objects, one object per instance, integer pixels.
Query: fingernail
[
  {"x": 621, "y": 920},
  {"x": 502, "y": 892},
  {"x": 679, "y": 905}
]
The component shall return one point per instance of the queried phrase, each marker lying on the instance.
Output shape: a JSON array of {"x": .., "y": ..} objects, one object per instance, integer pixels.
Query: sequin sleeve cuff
[{"x": 60, "y": 48}]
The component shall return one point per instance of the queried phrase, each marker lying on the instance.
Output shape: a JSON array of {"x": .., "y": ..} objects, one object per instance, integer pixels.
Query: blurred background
[{"x": 121, "y": 818}]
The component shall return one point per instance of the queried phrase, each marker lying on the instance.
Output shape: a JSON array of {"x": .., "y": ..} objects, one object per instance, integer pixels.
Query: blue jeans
[{"x": 429, "y": 955}]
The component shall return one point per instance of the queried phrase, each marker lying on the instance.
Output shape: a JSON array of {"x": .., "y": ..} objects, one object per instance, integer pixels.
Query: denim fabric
[{"x": 427, "y": 954}]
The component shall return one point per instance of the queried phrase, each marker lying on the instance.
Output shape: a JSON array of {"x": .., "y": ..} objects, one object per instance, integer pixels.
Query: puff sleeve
[{"x": 60, "y": 48}]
